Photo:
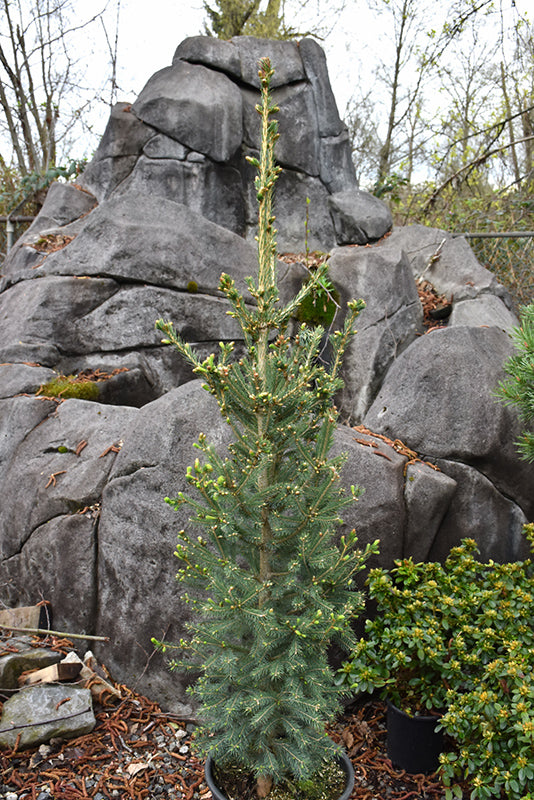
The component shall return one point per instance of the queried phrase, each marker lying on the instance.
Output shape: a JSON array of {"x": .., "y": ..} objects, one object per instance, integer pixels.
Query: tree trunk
[
  {"x": 508, "y": 110},
  {"x": 384, "y": 164}
]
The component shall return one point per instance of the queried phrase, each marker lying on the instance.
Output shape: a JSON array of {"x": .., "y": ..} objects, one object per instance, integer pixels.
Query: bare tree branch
[{"x": 470, "y": 167}]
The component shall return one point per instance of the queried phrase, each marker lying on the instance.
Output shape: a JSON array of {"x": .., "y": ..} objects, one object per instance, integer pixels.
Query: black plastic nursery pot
[
  {"x": 343, "y": 760},
  {"x": 413, "y": 743}
]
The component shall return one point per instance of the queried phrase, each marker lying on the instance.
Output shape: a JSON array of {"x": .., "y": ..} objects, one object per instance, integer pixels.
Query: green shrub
[
  {"x": 458, "y": 638},
  {"x": 518, "y": 388},
  {"x": 319, "y": 306}
]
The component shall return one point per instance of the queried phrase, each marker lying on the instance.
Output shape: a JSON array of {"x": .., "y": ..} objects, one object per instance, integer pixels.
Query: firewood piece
[{"x": 54, "y": 674}]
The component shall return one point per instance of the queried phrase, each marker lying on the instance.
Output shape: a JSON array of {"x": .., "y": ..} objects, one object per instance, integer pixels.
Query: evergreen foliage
[
  {"x": 229, "y": 18},
  {"x": 457, "y": 638},
  {"x": 518, "y": 388},
  {"x": 271, "y": 589}
]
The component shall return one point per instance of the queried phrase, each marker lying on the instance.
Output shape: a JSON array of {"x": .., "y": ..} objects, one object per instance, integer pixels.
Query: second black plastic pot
[{"x": 413, "y": 744}]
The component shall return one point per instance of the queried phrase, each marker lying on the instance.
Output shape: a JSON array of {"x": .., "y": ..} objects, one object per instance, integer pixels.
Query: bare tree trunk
[
  {"x": 384, "y": 162},
  {"x": 35, "y": 75},
  {"x": 513, "y": 152},
  {"x": 527, "y": 123}
]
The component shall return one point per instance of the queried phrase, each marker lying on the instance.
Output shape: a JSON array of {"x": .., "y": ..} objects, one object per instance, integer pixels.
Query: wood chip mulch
[
  {"x": 362, "y": 731},
  {"x": 51, "y": 243},
  {"x": 138, "y": 751},
  {"x": 436, "y": 307}
]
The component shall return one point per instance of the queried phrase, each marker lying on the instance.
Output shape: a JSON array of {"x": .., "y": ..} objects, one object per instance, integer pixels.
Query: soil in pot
[
  {"x": 333, "y": 782},
  {"x": 413, "y": 743}
]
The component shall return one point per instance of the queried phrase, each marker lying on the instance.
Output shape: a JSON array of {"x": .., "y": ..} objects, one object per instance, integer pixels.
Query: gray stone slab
[
  {"x": 161, "y": 146},
  {"x": 448, "y": 264},
  {"x": 47, "y": 478},
  {"x": 336, "y": 166},
  {"x": 212, "y": 190},
  {"x": 284, "y": 55},
  {"x": 359, "y": 217},
  {"x": 58, "y": 562},
  {"x": 37, "y": 317},
  {"x": 39, "y": 713},
  {"x": 197, "y": 106},
  {"x": 212, "y": 52},
  {"x": 428, "y": 495},
  {"x": 102, "y": 176},
  {"x": 298, "y": 145},
  {"x": 152, "y": 240},
  {"x": 480, "y": 512},
  {"x": 439, "y": 397},
  {"x": 64, "y": 203},
  {"x": 486, "y": 310},
  {"x": 314, "y": 61},
  {"x": 22, "y": 378}
]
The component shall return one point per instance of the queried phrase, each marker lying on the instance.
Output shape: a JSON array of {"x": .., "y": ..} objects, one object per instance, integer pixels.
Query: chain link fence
[{"x": 510, "y": 256}]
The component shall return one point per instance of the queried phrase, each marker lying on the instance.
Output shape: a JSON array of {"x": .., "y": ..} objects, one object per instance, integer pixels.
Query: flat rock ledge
[{"x": 38, "y": 714}]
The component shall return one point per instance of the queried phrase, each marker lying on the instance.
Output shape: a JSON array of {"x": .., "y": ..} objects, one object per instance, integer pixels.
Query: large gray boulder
[
  {"x": 47, "y": 714},
  {"x": 447, "y": 262},
  {"x": 163, "y": 209},
  {"x": 450, "y": 377},
  {"x": 198, "y": 117},
  {"x": 391, "y": 320},
  {"x": 200, "y": 108}
]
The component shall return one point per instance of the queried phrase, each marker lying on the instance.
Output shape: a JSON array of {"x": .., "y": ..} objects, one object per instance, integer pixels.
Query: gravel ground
[{"x": 137, "y": 751}]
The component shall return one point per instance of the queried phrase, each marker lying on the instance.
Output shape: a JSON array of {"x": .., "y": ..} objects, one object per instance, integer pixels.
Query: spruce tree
[
  {"x": 272, "y": 589},
  {"x": 518, "y": 388}
]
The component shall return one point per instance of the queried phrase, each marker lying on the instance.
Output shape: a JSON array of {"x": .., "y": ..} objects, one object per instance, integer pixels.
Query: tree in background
[
  {"x": 228, "y": 18},
  {"x": 42, "y": 99},
  {"x": 445, "y": 131},
  {"x": 438, "y": 88},
  {"x": 272, "y": 19}
]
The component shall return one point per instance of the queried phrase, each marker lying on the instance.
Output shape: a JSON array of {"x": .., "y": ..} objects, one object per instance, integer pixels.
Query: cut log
[{"x": 63, "y": 671}]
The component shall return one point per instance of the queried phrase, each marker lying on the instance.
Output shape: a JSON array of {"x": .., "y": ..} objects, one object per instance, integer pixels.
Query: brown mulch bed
[
  {"x": 138, "y": 751},
  {"x": 436, "y": 307},
  {"x": 135, "y": 751},
  {"x": 362, "y": 730}
]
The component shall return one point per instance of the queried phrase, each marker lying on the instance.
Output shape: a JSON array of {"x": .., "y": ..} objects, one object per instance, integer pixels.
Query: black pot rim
[
  {"x": 342, "y": 758},
  {"x": 423, "y": 717}
]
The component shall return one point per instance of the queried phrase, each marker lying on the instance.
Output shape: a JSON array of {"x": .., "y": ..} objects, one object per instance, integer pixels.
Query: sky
[{"x": 150, "y": 33}]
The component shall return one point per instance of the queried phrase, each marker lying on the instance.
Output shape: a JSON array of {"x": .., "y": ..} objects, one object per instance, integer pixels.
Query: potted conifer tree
[{"x": 272, "y": 588}]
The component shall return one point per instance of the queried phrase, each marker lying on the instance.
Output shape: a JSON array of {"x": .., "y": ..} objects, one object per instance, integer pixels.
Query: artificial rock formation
[{"x": 165, "y": 206}]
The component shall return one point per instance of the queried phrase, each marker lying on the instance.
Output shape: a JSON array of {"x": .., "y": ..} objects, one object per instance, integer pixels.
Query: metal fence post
[{"x": 10, "y": 232}]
